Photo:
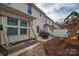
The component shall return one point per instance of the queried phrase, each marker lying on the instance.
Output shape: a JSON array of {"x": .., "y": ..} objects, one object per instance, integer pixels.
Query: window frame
[
  {"x": 18, "y": 27},
  {"x": 21, "y": 32},
  {"x": 29, "y": 8},
  {"x": 21, "y": 25},
  {"x": 13, "y": 19},
  {"x": 12, "y": 34}
]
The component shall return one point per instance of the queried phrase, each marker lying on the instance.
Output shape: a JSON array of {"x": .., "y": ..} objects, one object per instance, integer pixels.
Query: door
[{"x": 45, "y": 28}]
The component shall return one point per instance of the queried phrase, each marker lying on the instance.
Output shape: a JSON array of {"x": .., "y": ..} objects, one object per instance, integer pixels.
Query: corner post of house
[{"x": 29, "y": 28}]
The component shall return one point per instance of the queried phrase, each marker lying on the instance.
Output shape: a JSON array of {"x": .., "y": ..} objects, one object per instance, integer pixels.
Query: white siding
[
  {"x": 40, "y": 20},
  {"x": 14, "y": 37},
  {"x": 19, "y": 6}
]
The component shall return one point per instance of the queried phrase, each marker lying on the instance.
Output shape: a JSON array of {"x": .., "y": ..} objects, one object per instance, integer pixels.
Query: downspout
[
  {"x": 0, "y": 32},
  {"x": 29, "y": 29}
]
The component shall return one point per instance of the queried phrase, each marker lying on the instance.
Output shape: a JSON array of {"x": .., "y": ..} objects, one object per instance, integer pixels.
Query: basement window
[
  {"x": 23, "y": 31},
  {"x": 12, "y": 21},
  {"x": 23, "y": 23},
  {"x": 12, "y": 31}
]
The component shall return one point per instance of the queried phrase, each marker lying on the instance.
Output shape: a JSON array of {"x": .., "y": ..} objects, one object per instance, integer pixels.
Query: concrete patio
[
  {"x": 38, "y": 50},
  {"x": 34, "y": 49}
]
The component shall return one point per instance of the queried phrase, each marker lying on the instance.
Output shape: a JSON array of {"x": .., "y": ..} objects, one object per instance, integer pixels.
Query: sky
[{"x": 58, "y": 11}]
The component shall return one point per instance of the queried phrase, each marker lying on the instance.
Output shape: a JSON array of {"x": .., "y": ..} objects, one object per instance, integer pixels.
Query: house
[
  {"x": 71, "y": 17},
  {"x": 42, "y": 22},
  {"x": 72, "y": 23},
  {"x": 15, "y": 25},
  {"x": 20, "y": 22},
  {"x": 56, "y": 25}
]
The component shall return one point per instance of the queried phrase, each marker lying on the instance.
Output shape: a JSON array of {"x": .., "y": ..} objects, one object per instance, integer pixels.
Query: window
[
  {"x": 23, "y": 23},
  {"x": 29, "y": 8},
  {"x": 37, "y": 29},
  {"x": 23, "y": 31},
  {"x": 12, "y": 21},
  {"x": 40, "y": 14},
  {"x": 46, "y": 21},
  {"x": 12, "y": 31}
]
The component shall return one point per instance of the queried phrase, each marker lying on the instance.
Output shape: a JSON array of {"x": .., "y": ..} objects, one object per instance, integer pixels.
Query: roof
[{"x": 72, "y": 13}]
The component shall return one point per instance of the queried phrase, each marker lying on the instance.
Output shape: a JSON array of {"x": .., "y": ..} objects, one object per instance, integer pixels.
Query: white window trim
[{"x": 17, "y": 26}]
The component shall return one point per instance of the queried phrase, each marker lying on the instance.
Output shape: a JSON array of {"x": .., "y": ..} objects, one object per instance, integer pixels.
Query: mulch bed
[{"x": 54, "y": 47}]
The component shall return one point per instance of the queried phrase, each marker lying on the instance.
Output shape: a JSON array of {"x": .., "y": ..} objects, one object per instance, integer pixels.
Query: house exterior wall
[
  {"x": 12, "y": 38},
  {"x": 24, "y": 8},
  {"x": 19, "y": 6},
  {"x": 39, "y": 21}
]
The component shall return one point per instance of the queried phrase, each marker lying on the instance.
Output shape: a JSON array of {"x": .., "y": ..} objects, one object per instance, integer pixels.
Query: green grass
[
  {"x": 1, "y": 54},
  {"x": 2, "y": 51}
]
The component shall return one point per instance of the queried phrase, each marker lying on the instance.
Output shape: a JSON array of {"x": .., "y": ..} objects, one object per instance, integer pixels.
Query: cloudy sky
[{"x": 58, "y": 11}]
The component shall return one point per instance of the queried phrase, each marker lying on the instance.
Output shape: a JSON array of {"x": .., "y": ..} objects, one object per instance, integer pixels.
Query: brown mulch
[{"x": 58, "y": 47}]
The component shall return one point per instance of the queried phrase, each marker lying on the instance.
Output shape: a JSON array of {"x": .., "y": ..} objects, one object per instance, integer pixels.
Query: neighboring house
[
  {"x": 56, "y": 26},
  {"x": 72, "y": 24},
  {"x": 62, "y": 25},
  {"x": 71, "y": 17}
]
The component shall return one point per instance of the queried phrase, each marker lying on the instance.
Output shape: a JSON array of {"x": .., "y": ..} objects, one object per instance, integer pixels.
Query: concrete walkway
[
  {"x": 38, "y": 50},
  {"x": 33, "y": 50},
  {"x": 43, "y": 40},
  {"x": 23, "y": 50}
]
